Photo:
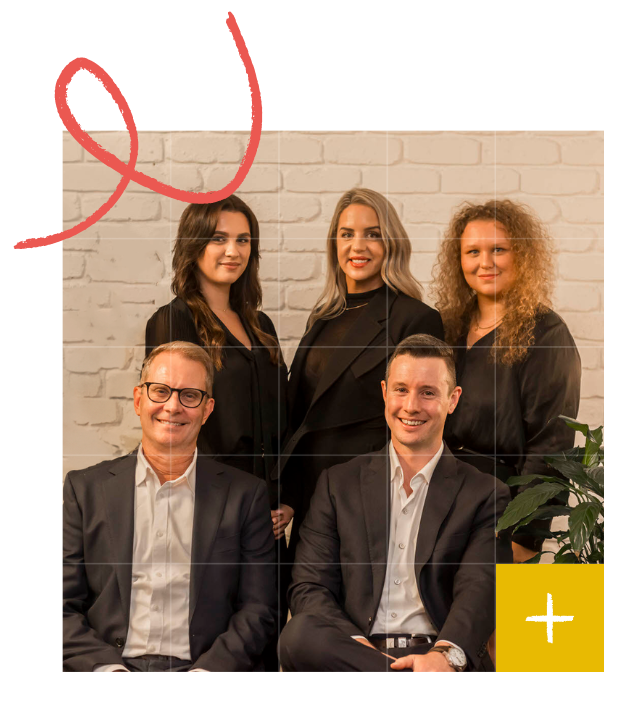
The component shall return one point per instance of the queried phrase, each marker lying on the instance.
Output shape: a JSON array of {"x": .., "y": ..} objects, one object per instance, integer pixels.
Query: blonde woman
[
  {"x": 369, "y": 304},
  {"x": 516, "y": 359}
]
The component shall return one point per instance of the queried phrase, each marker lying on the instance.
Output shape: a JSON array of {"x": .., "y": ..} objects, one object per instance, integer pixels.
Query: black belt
[
  {"x": 399, "y": 641},
  {"x": 157, "y": 657}
]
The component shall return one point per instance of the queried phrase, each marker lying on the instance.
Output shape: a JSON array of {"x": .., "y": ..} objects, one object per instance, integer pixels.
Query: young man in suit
[
  {"x": 168, "y": 556},
  {"x": 395, "y": 569}
]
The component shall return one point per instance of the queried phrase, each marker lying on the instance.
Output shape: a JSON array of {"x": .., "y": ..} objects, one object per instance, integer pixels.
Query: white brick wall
[{"x": 118, "y": 271}]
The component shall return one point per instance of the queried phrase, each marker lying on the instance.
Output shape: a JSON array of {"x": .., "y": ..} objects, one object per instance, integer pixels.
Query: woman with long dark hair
[
  {"x": 516, "y": 359},
  {"x": 217, "y": 306},
  {"x": 370, "y": 303}
]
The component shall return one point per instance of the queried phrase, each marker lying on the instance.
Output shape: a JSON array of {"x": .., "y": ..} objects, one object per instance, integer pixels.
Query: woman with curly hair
[
  {"x": 217, "y": 306},
  {"x": 516, "y": 359},
  {"x": 370, "y": 303}
]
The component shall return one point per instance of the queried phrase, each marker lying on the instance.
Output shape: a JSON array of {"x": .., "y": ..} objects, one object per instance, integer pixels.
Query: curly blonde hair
[{"x": 530, "y": 293}]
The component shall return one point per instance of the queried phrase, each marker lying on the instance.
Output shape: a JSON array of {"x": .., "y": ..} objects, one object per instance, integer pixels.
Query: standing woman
[
  {"x": 218, "y": 295},
  {"x": 516, "y": 359},
  {"x": 369, "y": 304}
]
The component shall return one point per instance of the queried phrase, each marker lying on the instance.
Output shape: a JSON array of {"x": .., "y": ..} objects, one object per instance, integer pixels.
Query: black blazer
[
  {"x": 349, "y": 393},
  {"x": 232, "y": 604},
  {"x": 347, "y": 524}
]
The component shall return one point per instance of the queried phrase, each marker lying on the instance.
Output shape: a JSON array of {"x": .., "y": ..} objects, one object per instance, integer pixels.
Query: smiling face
[
  {"x": 169, "y": 427},
  {"x": 360, "y": 248},
  {"x": 487, "y": 258},
  {"x": 226, "y": 255},
  {"x": 417, "y": 402}
]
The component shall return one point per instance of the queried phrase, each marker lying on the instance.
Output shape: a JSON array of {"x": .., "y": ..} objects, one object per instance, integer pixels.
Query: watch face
[{"x": 457, "y": 658}]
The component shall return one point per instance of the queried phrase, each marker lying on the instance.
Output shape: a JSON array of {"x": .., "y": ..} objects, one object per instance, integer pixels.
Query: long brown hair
[
  {"x": 395, "y": 270},
  {"x": 530, "y": 293},
  {"x": 195, "y": 231}
]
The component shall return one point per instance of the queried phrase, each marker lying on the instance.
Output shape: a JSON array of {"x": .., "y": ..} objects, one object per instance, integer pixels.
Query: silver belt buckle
[
  {"x": 402, "y": 642},
  {"x": 390, "y": 643}
]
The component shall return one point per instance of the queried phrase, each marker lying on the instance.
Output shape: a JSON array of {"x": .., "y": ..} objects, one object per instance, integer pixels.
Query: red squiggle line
[{"x": 128, "y": 171}]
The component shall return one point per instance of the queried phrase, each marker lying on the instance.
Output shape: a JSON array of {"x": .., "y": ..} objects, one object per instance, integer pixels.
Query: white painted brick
[
  {"x": 85, "y": 298},
  {"x": 291, "y": 324},
  {"x": 140, "y": 294},
  {"x": 273, "y": 296},
  {"x": 71, "y": 207},
  {"x": 137, "y": 207},
  {"x": 401, "y": 179},
  {"x": 122, "y": 261},
  {"x": 519, "y": 150},
  {"x": 136, "y": 230},
  {"x": 87, "y": 240},
  {"x": 77, "y": 327},
  {"x": 259, "y": 179},
  {"x": 270, "y": 237},
  {"x": 95, "y": 411},
  {"x": 283, "y": 266},
  {"x": 436, "y": 209},
  {"x": 84, "y": 385},
  {"x": 329, "y": 202},
  {"x": 89, "y": 177},
  {"x": 305, "y": 237},
  {"x": 149, "y": 146},
  {"x": 570, "y": 237},
  {"x": 288, "y": 148},
  {"x": 548, "y": 210},
  {"x": 73, "y": 266},
  {"x": 298, "y": 207},
  {"x": 583, "y": 151},
  {"x": 321, "y": 178},
  {"x": 482, "y": 180},
  {"x": 441, "y": 149},
  {"x": 121, "y": 383},
  {"x": 592, "y": 383},
  {"x": 206, "y": 148},
  {"x": 421, "y": 266},
  {"x": 83, "y": 359},
  {"x": 583, "y": 210},
  {"x": 592, "y": 357},
  {"x": 585, "y": 325},
  {"x": 591, "y": 412},
  {"x": 362, "y": 149},
  {"x": 424, "y": 237},
  {"x": 558, "y": 181},
  {"x": 304, "y": 296},
  {"x": 83, "y": 446},
  {"x": 179, "y": 175},
  {"x": 578, "y": 297},
  {"x": 582, "y": 267},
  {"x": 72, "y": 150}
]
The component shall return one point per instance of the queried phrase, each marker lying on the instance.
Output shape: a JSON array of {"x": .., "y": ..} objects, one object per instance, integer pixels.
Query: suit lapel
[
  {"x": 375, "y": 496},
  {"x": 442, "y": 491},
  {"x": 118, "y": 491},
  {"x": 211, "y": 489},
  {"x": 369, "y": 325}
]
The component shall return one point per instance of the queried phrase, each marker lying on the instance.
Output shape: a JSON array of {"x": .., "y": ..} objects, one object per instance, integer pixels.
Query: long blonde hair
[
  {"x": 395, "y": 269},
  {"x": 530, "y": 293}
]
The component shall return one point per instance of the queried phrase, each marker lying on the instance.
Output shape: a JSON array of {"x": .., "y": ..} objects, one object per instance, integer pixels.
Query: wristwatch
[{"x": 454, "y": 656}]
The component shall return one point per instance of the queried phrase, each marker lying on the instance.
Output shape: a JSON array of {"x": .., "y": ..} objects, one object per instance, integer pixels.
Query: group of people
[{"x": 386, "y": 447}]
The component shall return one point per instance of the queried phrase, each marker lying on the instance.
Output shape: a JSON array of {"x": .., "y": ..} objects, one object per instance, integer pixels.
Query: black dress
[
  {"x": 335, "y": 402},
  {"x": 507, "y": 416},
  {"x": 250, "y": 417}
]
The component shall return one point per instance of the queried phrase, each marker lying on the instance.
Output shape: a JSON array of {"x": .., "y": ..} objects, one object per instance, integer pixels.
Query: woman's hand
[{"x": 281, "y": 517}]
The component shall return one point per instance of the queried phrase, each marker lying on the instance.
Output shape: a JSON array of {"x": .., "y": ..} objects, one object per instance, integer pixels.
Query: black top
[
  {"x": 509, "y": 414},
  {"x": 249, "y": 419},
  {"x": 325, "y": 344}
]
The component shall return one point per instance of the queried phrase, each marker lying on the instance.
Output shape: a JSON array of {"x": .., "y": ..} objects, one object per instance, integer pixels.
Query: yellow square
[{"x": 550, "y": 592}]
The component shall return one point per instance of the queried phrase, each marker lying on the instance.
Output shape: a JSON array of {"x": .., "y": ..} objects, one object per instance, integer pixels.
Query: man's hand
[
  {"x": 434, "y": 661},
  {"x": 521, "y": 553},
  {"x": 281, "y": 517}
]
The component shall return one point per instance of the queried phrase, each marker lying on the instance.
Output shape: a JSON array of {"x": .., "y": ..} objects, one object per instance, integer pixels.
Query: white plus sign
[{"x": 550, "y": 619}]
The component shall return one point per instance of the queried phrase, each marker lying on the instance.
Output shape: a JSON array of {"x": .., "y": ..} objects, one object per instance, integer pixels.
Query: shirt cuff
[
  {"x": 111, "y": 667},
  {"x": 198, "y": 669}
]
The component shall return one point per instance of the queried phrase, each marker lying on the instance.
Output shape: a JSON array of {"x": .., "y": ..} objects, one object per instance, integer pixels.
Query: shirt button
[
  {"x": 159, "y": 534},
  {"x": 405, "y": 511},
  {"x": 156, "y": 608},
  {"x": 401, "y": 545},
  {"x": 394, "y": 615},
  {"x": 397, "y": 581},
  {"x": 151, "y": 649},
  {"x": 159, "y": 575}
]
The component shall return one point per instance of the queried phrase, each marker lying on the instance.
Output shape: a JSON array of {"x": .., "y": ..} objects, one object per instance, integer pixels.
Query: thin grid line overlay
[{"x": 281, "y": 284}]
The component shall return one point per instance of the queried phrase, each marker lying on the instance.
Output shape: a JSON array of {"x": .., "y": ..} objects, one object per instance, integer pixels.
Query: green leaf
[
  {"x": 527, "y": 479},
  {"x": 545, "y": 513},
  {"x": 581, "y": 523},
  {"x": 579, "y": 426},
  {"x": 527, "y": 502},
  {"x": 566, "y": 558},
  {"x": 598, "y": 435},
  {"x": 597, "y": 476},
  {"x": 534, "y": 559}
]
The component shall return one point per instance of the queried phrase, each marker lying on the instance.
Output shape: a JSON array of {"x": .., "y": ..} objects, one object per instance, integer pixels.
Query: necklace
[
  {"x": 497, "y": 321},
  {"x": 357, "y": 307}
]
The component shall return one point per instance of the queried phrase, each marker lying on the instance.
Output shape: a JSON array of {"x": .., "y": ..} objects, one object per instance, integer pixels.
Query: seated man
[
  {"x": 160, "y": 546},
  {"x": 397, "y": 552}
]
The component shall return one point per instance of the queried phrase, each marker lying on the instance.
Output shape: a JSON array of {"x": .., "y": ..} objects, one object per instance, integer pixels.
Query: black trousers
[{"x": 311, "y": 643}]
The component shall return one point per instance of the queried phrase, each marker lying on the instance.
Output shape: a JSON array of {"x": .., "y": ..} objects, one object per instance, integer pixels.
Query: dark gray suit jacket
[
  {"x": 232, "y": 604},
  {"x": 341, "y": 558}
]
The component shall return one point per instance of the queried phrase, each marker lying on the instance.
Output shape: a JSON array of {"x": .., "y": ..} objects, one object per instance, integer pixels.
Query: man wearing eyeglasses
[{"x": 168, "y": 556}]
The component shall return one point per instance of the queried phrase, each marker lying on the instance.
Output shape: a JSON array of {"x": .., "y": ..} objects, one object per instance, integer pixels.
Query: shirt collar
[
  {"x": 395, "y": 468},
  {"x": 144, "y": 471}
]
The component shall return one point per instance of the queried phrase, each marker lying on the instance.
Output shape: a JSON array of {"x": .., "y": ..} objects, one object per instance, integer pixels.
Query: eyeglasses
[{"x": 188, "y": 396}]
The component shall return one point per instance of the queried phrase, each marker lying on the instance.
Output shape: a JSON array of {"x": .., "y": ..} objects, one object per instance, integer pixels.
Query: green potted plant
[{"x": 582, "y": 475}]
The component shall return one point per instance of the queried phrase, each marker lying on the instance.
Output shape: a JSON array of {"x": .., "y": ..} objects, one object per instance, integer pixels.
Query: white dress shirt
[
  {"x": 401, "y": 610},
  {"x": 161, "y": 555}
]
